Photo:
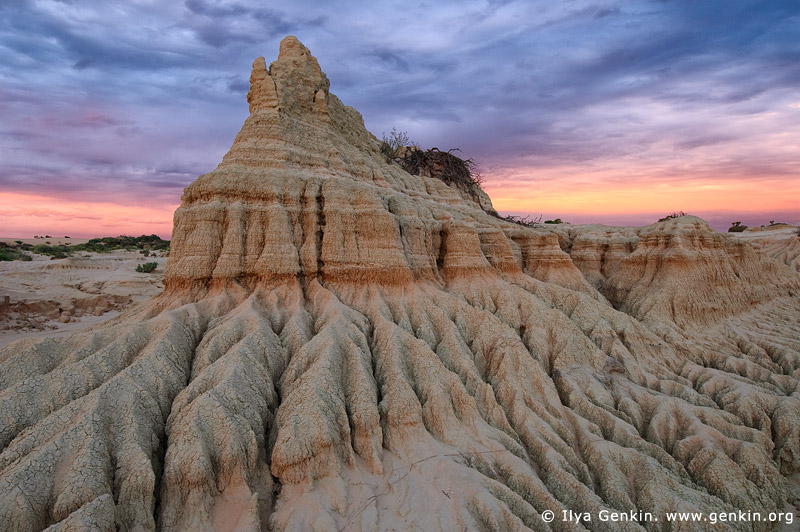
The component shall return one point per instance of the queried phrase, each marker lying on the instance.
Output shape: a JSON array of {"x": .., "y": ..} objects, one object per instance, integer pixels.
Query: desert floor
[{"x": 47, "y": 297}]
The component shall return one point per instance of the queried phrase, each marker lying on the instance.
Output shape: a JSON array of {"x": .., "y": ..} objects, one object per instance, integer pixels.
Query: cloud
[
  {"x": 393, "y": 59},
  {"x": 220, "y": 24},
  {"x": 134, "y": 99},
  {"x": 699, "y": 142},
  {"x": 50, "y": 213},
  {"x": 83, "y": 64},
  {"x": 238, "y": 85}
]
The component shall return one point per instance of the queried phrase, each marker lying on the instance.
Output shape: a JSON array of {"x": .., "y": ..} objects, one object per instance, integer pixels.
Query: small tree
[{"x": 392, "y": 145}]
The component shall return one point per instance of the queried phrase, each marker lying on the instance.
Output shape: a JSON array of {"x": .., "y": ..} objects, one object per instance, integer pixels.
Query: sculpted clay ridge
[{"x": 343, "y": 346}]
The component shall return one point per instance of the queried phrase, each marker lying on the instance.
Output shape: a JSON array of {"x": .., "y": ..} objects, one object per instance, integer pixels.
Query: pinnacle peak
[
  {"x": 296, "y": 53},
  {"x": 292, "y": 47},
  {"x": 260, "y": 63},
  {"x": 292, "y": 81}
]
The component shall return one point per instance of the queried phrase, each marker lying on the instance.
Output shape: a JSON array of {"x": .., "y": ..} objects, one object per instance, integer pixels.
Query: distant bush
[
  {"x": 676, "y": 214},
  {"x": 147, "y": 267},
  {"x": 146, "y": 244},
  {"x": 556, "y": 221},
  {"x": 111, "y": 243},
  {"x": 736, "y": 227},
  {"x": 56, "y": 252},
  {"x": 9, "y": 254}
]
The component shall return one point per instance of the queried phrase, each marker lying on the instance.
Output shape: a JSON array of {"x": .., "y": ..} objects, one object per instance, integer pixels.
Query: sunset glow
[
  {"x": 578, "y": 197},
  {"x": 613, "y": 112},
  {"x": 25, "y": 215}
]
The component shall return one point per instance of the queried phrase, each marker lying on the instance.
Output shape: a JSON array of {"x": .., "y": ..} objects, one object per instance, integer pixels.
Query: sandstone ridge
[{"x": 343, "y": 346}]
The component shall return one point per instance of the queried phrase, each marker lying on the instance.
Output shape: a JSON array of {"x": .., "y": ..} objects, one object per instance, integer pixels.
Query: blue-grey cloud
[{"x": 106, "y": 97}]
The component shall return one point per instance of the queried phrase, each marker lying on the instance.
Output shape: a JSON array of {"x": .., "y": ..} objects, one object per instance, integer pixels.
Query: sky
[{"x": 614, "y": 112}]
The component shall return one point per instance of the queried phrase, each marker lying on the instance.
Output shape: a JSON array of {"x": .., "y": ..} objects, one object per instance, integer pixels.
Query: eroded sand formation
[
  {"x": 343, "y": 346},
  {"x": 781, "y": 242}
]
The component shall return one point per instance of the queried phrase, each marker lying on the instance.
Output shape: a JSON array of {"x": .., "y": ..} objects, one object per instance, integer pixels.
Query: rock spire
[{"x": 344, "y": 346}]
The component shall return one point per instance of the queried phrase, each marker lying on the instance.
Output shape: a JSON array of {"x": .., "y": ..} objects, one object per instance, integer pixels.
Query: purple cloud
[{"x": 131, "y": 101}]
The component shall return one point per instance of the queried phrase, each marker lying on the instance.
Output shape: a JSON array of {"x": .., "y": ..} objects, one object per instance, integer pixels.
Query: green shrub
[
  {"x": 147, "y": 267},
  {"x": 556, "y": 221},
  {"x": 9, "y": 254},
  {"x": 57, "y": 252},
  {"x": 111, "y": 243}
]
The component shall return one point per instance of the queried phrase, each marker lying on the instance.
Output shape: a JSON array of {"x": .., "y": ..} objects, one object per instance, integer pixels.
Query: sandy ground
[
  {"x": 47, "y": 297},
  {"x": 57, "y": 241}
]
